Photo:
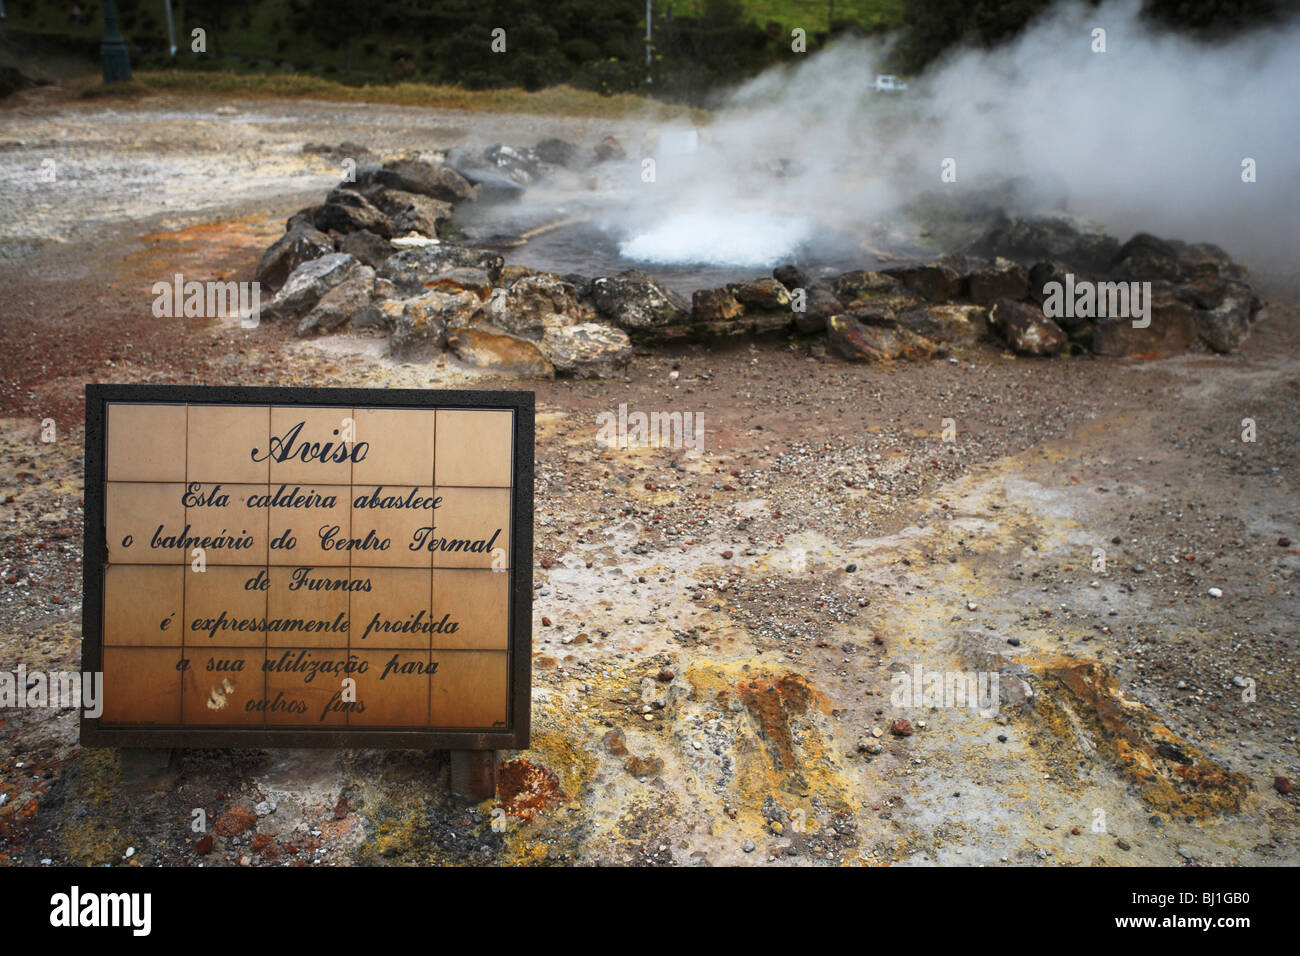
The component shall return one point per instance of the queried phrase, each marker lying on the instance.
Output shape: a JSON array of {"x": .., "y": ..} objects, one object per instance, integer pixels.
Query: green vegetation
[
  {"x": 589, "y": 45},
  {"x": 595, "y": 45}
]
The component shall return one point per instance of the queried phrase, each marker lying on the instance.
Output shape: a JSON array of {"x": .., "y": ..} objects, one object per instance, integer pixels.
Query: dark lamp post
[{"x": 112, "y": 52}]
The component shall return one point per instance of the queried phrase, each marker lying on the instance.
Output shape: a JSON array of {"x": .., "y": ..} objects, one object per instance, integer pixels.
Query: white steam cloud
[{"x": 1149, "y": 135}]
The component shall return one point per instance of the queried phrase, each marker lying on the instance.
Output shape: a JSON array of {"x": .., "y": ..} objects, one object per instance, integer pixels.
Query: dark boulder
[
  {"x": 300, "y": 244},
  {"x": 1146, "y": 257},
  {"x": 427, "y": 319},
  {"x": 1001, "y": 278},
  {"x": 1026, "y": 329},
  {"x": 946, "y": 324},
  {"x": 762, "y": 295},
  {"x": 813, "y": 305},
  {"x": 411, "y": 269},
  {"x": 934, "y": 282},
  {"x": 868, "y": 336},
  {"x": 517, "y": 162},
  {"x": 499, "y": 351},
  {"x": 586, "y": 350},
  {"x": 1225, "y": 325},
  {"x": 411, "y": 212},
  {"x": 308, "y": 284},
  {"x": 367, "y": 247},
  {"x": 339, "y": 305},
  {"x": 1170, "y": 328},
  {"x": 792, "y": 277},
  {"x": 715, "y": 307},
  {"x": 434, "y": 180},
  {"x": 864, "y": 288},
  {"x": 640, "y": 306},
  {"x": 558, "y": 152},
  {"x": 1080, "y": 245},
  {"x": 346, "y": 210},
  {"x": 492, "y": 185}
]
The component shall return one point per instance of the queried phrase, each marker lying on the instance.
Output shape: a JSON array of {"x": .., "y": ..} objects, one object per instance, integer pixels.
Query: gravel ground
[{"x": 714, "y": 635}]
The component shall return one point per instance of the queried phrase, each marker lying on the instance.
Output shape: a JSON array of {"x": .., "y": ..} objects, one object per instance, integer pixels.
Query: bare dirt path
[{"x": 708, "y": 671}]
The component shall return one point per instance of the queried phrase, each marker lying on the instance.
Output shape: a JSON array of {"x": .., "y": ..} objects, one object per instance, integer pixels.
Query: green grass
[
  {"x": 810, "y": 14},
  {"x": 555, "y": 100}
]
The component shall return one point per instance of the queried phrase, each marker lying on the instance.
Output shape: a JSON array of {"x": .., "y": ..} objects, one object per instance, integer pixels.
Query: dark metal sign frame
[{"x": 95, "y": 553}]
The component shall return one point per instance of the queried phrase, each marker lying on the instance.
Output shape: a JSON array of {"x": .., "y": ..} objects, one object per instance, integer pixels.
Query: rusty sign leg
[{"x": 474, "y": 774}]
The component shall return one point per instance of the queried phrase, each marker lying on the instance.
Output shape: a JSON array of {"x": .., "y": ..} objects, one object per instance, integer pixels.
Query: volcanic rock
[
  {"x": 308, "y": 283},
  {"x": 557, "y": 152},
  {"x": 1026, "y": 329},
  {"x": 1200, "y": 260},
  {"x": 764, "y": 295},
  {"x": 518, "y": 163},
  {"x": 533, "y": 303},
  {"x": 640, "y": 306},
  {"x": 434, "y": 180},
  {"x": 367, "y": 247},
  {"x": 858, "y": 342},
  {"x": 340, "y": 304},
  {"x": 411, "y": 212},
  {"x": 513, "y": 272},
  {"x": 946, "y": 324},
  {"x": 588, "y": 350},
  {"x": 491, "y": 348},
  {"x": 301, "y": 243},
  {"x": 1172, "y": 329},
  {"x": 411, "y": 269},
  {"x": 303, "y": 217},
  {"x": 1042, "y": 273},
  {"x": 381, "y": 313},
  {"x": 346, "y": 210},
  {"x": 1082, "y": 246},
  {"x": 1146, "y": 257},
  {"x": 792, "y": 277},
  {"x": 999, "y": 279},
  {"x": 462, "y": 279},
  {"x": 935, "y": 282},
  {"x": 714, "y": 306},
  {"x": 492, "y": 185},
  {"x": 912, "y": 345},
  {"x": 819, "y": 304},
  {"x": 1225, "y": 326},
  {"x": 426, "y": 319},
  {"x": 860, "y": 288}
]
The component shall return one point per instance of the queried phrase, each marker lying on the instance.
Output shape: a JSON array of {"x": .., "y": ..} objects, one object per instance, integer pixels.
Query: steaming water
[
  {"x": 686, "y": 251},
  {"x": 804, "y": 164},
  {"x": 755, "y": 240}
]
